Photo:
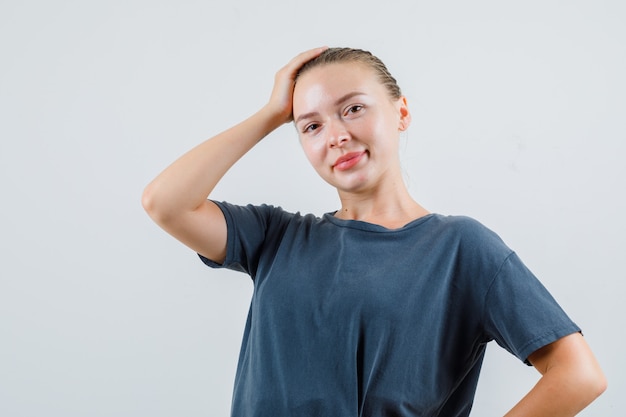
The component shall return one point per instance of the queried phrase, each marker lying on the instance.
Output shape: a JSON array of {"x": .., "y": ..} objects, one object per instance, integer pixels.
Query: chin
[
  {"x": 353, "y": 188},
  {"x": 348, "y": 183}
]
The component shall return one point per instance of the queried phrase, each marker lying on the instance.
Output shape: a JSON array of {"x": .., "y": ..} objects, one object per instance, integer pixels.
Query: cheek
[
  {"x": 386, "y": 128},
  {"x": 314, "y": 150}
]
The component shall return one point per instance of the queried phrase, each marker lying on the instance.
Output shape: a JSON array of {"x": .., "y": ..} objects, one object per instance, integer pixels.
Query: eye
[
  {"x": 356, "y": 108},
  {"x": 310, "y": 127}
]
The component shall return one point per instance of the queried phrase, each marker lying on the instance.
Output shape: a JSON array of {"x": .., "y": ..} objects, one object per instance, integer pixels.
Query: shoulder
[
  {"x": 464, "y": 227},
  {"x": 457, "y": 222},
  {"x": 261, "y": 215},
  {"x": 472, "y": 241},
  {"x": 261, "y": 211}
]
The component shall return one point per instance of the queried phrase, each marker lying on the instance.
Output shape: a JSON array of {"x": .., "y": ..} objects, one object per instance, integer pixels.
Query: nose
[{"x": 337, "y": 134}]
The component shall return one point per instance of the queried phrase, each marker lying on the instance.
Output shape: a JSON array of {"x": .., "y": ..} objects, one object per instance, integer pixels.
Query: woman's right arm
[{"x": 177, "y": 198}]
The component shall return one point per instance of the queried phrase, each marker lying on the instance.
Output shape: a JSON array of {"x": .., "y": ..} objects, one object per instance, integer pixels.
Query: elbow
[
  {"x": 597, "y": 384},
  {"x": 591, "y": 384},
  {"x": 572, "y": 371},
  {"x": 595, "y": 380},
  {"x": 152, "y": 204},
  {"x": 147, "y": 199}
]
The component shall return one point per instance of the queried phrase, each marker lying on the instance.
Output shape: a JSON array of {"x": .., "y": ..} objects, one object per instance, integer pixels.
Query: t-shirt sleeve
[
  {"x": 520, "y": 313},
  {"x": 247, "y": 231}
]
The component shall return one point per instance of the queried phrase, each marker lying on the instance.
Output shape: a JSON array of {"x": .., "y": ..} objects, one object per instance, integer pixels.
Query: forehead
[{"x": 330, "y": 81}]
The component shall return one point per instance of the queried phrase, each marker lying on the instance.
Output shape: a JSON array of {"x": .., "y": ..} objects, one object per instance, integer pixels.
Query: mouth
[{"x": 347, "y": 161}]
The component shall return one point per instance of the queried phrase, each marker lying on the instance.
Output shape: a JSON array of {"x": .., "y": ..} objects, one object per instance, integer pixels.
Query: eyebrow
[{"x": 337, "y": 102}]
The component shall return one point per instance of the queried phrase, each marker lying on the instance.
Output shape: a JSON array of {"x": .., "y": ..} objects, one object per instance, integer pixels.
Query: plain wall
[{"x": 518, "y": 120}]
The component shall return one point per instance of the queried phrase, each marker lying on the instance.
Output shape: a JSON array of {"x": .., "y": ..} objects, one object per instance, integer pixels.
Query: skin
[
  {"x": 342, "y": 110},
  {"x": 571, "y": 379},
  {"x": 334, "y": 121}
]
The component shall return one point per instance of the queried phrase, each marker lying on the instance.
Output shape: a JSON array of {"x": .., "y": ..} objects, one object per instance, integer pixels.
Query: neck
[{"x": 391, "y": 208}]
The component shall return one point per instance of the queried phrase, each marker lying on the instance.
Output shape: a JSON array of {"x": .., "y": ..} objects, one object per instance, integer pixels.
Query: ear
[{"x": 405, "y": 114}]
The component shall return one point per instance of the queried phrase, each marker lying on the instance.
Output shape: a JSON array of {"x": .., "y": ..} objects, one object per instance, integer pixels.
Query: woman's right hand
[{"x": 281, "y": 99}]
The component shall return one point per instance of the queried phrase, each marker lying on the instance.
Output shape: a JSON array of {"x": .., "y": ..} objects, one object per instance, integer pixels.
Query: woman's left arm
[{"x": 571, "y": 380}]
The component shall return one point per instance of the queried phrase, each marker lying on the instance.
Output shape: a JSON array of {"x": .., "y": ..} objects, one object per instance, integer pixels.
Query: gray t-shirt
[{"x": 352, "y": 319}]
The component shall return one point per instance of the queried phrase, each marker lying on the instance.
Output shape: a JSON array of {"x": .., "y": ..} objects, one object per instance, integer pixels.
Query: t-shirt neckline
[{"x": 372, "y": 227}]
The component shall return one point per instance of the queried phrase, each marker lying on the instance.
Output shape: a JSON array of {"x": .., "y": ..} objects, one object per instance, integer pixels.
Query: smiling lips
[{"x": 347, "y": 161}]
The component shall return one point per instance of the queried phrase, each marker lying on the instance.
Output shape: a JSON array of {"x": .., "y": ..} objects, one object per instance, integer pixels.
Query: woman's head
[
  {"x": 349, "y": 113},
  {"x": 350, "y": 55}
]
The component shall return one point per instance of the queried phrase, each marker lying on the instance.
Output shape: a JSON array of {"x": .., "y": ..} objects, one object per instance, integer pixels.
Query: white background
[{"x": 518, "y": 120}]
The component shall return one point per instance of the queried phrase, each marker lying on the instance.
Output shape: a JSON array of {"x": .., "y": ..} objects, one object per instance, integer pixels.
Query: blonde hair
[{"x": 341, "y": 55}]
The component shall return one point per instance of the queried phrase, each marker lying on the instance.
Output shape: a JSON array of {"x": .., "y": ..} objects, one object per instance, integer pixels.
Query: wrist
[
  {"x": 275, "y": 117},
  {"x": 263, "y": 122}
]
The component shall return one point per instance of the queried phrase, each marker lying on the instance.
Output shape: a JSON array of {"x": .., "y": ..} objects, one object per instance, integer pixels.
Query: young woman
[{"x": 379, "y": 308}]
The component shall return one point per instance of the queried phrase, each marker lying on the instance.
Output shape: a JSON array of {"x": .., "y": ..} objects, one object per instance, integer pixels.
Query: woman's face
[{"x": 349, "y": 126}]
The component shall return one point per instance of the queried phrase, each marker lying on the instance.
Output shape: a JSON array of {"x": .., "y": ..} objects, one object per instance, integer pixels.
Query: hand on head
[{"x": 281, "y": 99}]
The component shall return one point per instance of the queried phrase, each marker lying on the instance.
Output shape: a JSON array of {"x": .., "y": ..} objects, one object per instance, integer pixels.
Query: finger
[
  {"x": 309, "y": 55},
  {"x": 304, "y": 57}
]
